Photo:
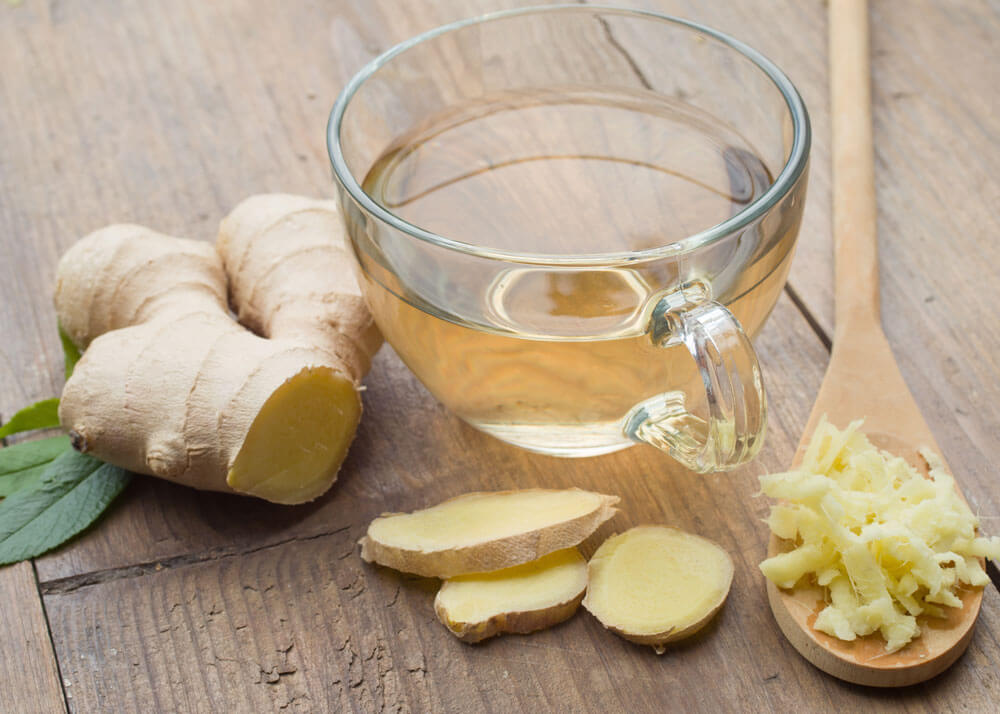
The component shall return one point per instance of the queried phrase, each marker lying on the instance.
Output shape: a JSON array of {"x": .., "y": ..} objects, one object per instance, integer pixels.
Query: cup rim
[{"x": 783, "y": 183}]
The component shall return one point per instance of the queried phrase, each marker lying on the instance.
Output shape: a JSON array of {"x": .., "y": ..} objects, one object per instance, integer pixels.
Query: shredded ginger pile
[{"x": 888, "y": 543}]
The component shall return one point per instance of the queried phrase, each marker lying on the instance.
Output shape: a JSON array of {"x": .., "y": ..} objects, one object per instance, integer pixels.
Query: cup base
[{"x": 563, "y": 440}]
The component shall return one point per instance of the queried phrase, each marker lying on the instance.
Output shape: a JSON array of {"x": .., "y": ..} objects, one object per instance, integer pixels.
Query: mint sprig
[
  {"x": 72, "y": 492},
  {"x": 49, "y": 491},
  {"x": 31, "y": 453},
  {"x": 22, "y": 465}
]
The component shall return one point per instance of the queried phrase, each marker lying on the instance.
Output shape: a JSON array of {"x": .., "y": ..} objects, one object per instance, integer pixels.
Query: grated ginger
[{"x": 887, "y": 543}]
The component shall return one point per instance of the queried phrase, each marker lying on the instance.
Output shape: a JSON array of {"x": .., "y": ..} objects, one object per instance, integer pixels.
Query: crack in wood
[
  {"x": 994, "y": 572},
  {"x": 62, "y": 586},
  {"x": 63, "y": 682},
  {"x": 809, "y": 317},
  {"x": 624, "y": 53}
]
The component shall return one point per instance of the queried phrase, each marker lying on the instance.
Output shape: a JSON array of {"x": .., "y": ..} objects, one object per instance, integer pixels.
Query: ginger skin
[
  {"x": 170, "y": 385},
  {"x": 289, "y": 281},
  {"x": 485, "y": 531}
]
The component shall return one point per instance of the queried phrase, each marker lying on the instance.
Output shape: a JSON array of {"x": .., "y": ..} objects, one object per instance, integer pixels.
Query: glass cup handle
[{"x": 734, "y": 388}]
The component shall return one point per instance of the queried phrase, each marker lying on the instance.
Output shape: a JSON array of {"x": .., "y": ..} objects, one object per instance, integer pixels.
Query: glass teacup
[{"x": 567, "y": 220}]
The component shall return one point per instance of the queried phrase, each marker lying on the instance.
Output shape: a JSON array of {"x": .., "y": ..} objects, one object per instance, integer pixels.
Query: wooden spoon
[{"x": 863, "y": 380}]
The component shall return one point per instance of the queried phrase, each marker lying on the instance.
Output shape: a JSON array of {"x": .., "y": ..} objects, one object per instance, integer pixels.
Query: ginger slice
[
  {"x": 521, "y": 599},
  {"x": 653, "y": 584},
  {"x": 485, "y": 531}
]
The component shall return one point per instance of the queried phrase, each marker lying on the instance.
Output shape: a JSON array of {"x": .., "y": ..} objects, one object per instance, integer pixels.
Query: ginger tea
[{"x": 553, "y": 358}]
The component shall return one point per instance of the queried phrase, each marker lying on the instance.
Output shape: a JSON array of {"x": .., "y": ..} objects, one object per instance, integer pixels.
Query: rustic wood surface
[
  {"x": 169, "y": 113},
  {"x": 28, "y": 657}
]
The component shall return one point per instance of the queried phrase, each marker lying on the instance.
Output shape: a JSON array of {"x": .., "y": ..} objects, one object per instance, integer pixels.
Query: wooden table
[{"x": 169, "y": 113}]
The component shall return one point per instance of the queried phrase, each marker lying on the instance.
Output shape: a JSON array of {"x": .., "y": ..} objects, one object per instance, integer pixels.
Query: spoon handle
[{"x": 854, "y": 213}]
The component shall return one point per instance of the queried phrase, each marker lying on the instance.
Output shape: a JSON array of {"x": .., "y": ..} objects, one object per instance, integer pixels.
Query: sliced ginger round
[
  {"x": 521, "y": 599},
  {"x": 653, "y": 584},
  {"x": 485, "y": 531}
]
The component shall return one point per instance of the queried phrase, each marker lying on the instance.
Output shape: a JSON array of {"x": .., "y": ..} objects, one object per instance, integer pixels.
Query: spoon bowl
[{"x": 863, "y": 380}]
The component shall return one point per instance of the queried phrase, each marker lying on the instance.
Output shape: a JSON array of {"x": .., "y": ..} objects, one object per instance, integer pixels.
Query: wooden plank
[
  {"x": 937, "y": 138},
  {"x": 162, "y": 148},
  {"x": 28, "y": 666},
  {"x": 305, "y": 626},
  {"x": 158, "y": 522},
  {"x": 200, "y": 635},
  {"x": 936, "y": 83},
  {"x": 197, "y": 80},
  {"x": 169, "y": 114},
  {"x": 791, "y": 33}
]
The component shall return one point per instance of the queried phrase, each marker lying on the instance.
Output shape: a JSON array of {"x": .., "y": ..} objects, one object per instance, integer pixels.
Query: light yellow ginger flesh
[
  {"x": 521, "y": 599},
  {"x": 485, "y": 531},
  {"x": 172, "y": 386},
  {"x": 888, "y": 543},
  {"x": 295, "y": 443},
  {"x": 653, "y": 584}
]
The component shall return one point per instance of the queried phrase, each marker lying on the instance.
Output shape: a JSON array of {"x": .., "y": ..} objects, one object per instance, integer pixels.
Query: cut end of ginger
[
  {"x": 521, "y": 599},
  {"x": 888, "y": 543},
  {"x": 485, "y": 531},
  {"x": 299, "y": 438},
  {"x": 653, "y": 584}
]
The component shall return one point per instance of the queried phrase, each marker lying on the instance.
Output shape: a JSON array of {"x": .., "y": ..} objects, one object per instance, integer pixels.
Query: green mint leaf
[
  {"x": 31, "y": 453},
  {"x": 21, "y": 480},
  {"x": 72, "y": 492},
  {"x": 40, "y": 415},
  {"x": 22, "y": 465},
  {"x": 70, "y": 351}
]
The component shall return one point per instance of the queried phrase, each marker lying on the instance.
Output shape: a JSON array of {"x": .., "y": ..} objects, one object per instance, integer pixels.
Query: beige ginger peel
[
  {"x": 170, "y": 385},
  {"x": 485, "y": 531}
]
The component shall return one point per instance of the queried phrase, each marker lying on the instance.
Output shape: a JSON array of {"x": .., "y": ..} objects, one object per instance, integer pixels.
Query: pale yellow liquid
[{"x": 554, "y": 360}]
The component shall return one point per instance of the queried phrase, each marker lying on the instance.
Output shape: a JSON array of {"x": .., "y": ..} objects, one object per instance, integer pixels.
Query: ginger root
[
  {"x": 481, "y": 532},
  {"x": 653, "y": 584},
  {"x": 521, "y": 599},
  {"x": 170, "y": 385}
]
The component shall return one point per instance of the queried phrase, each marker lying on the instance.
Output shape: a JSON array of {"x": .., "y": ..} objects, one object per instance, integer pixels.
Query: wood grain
[
  {"x": 937, "y": 142},
  {"x": 937, "y": 137},
  {"x": 158, "y": 522},
  {"x": 169, "y": 113},
  {"x": 305, "y": 626},
  {"x": 28, "y": 666},
  {"x": 210, "y": 628}
]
